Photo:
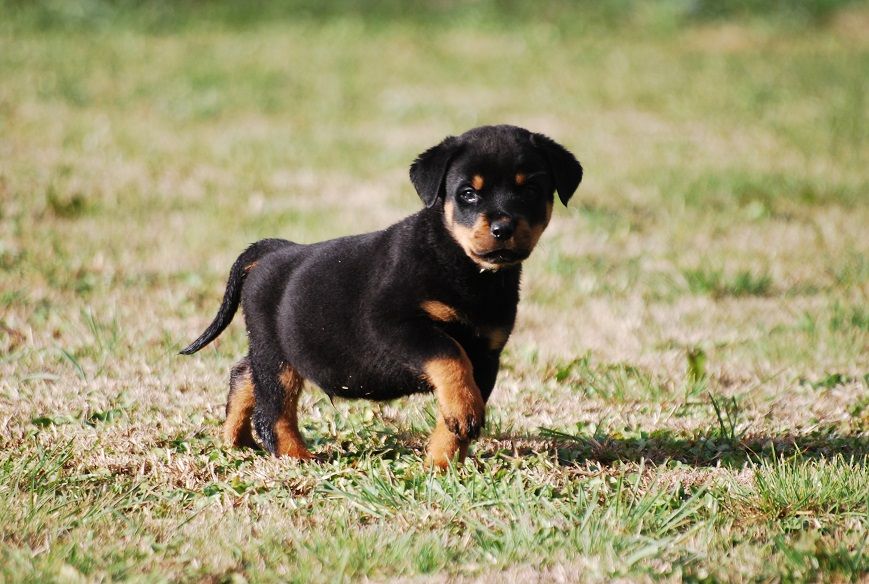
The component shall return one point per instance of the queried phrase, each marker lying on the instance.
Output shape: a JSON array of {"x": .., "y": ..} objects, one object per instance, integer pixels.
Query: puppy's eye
[{"x": 468, "y": 196}]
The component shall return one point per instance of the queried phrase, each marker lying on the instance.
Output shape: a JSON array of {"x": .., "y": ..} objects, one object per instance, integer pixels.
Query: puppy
[{"x": 425, "y": 305}]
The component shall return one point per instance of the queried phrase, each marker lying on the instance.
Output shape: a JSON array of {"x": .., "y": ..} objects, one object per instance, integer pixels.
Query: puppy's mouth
[{"x": 501, "y": 257}]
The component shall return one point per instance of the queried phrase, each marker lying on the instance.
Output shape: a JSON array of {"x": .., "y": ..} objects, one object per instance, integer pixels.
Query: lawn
[{"x": 685, "y": 394}]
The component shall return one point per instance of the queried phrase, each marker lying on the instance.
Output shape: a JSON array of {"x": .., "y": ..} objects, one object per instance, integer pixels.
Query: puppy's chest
[{"x": 479, "y": 326}]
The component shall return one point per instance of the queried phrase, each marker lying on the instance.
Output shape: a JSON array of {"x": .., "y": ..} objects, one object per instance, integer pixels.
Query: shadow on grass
[
  {"x": 705, "y": 450},
  {"x": 658, "y": 447}
]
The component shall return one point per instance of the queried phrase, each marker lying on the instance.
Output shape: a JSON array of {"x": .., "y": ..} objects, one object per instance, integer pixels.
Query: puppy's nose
[{"x": 502, "y": 228}]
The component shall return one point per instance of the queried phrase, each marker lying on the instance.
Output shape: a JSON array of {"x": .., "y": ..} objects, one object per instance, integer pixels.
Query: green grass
[{"x": 685, "y": 395}]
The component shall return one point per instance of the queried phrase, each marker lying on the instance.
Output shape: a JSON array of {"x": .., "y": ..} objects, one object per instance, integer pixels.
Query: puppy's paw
[
  {"x": 445, "y": 448},
  {"x": 465, "y": 418}
]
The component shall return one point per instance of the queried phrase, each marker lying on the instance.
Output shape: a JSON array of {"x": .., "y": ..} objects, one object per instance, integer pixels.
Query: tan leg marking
[
  {"x": 459, "y": 400},
  {"x": 289, "y": 439},
  {"x": 445, "y": 446},
  {"x": 496, "y": 336},
  {"x": 440, "y": 311},
  {"x": 236, "y": 429}
]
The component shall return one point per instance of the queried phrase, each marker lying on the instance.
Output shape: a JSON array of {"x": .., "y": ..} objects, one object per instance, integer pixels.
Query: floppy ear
[
  {"x": 566, "y": 170},
  {"x": 428, "y": 170}
]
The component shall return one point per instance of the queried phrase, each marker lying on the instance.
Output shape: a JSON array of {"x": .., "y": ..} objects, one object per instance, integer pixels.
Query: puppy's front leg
[
  {"x": 461, "y": 407},
  {"x": 443, "y": 363}
]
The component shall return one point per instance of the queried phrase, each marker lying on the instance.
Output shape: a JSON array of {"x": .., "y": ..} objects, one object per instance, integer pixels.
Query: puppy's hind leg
[
  {"x": 275, "y": 410},
  {"x": 290, "y": 441},
  {"x": 239, "y": 407}
]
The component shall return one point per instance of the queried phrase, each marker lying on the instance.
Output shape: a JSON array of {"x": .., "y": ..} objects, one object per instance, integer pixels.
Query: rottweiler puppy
[{"x": 423, "y": 306}]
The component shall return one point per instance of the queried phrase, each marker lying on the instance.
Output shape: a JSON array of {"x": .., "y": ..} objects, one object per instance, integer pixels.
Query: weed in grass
[
  {"x": 797, "y": 490},
  {"x": 716, "y": 284},
  {"x": 818, "y": 558},
  {"x": 612, "y": 381},
  {"x": 727, "y": 414},
  {"x": 831, "y": 380},
  {"x": 75, "y": 205},
  {"x": 696, "y": 358},
  {"x": 843, "y": 318}
]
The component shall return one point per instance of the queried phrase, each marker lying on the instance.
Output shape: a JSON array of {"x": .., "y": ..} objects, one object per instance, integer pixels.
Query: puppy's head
[{"x": 496, "y": 187}]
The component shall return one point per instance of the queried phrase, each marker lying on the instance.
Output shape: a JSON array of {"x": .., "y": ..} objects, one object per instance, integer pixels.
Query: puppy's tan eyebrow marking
[
  {"x": 477, "y": 182},
  {"x": 520, "y": 178}
]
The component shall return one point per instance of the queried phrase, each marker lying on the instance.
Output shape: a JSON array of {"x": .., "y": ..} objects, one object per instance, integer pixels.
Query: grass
[{"x": 685, "y": 396}]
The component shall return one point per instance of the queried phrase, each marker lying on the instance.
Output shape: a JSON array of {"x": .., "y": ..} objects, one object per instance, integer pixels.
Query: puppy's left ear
[
  {"x": 428, "y": 170},
  {"x": 566, "y": 170}
]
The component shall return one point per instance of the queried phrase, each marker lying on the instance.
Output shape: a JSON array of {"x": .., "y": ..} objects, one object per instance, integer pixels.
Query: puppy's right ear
[{"x": 429, "y": 169}]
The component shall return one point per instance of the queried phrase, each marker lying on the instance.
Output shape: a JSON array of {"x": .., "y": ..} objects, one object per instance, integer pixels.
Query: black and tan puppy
[{"x": 426, "y": 305}]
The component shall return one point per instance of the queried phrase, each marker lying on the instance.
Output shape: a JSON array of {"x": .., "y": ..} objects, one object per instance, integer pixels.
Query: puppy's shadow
[
  {"x": 658, "y": 447},
  {"x": 662, "y": 446}
]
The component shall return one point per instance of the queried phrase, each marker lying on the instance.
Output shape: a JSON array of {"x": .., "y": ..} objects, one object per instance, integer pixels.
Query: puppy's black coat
[{"x": 424, "y": 305}]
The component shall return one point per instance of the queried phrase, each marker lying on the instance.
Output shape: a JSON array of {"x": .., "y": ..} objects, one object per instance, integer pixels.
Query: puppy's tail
[{"x": 232, "y": 296}]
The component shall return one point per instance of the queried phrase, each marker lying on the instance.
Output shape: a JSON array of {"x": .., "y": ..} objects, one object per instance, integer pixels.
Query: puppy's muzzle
[{"x": 502, "y": 228}]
